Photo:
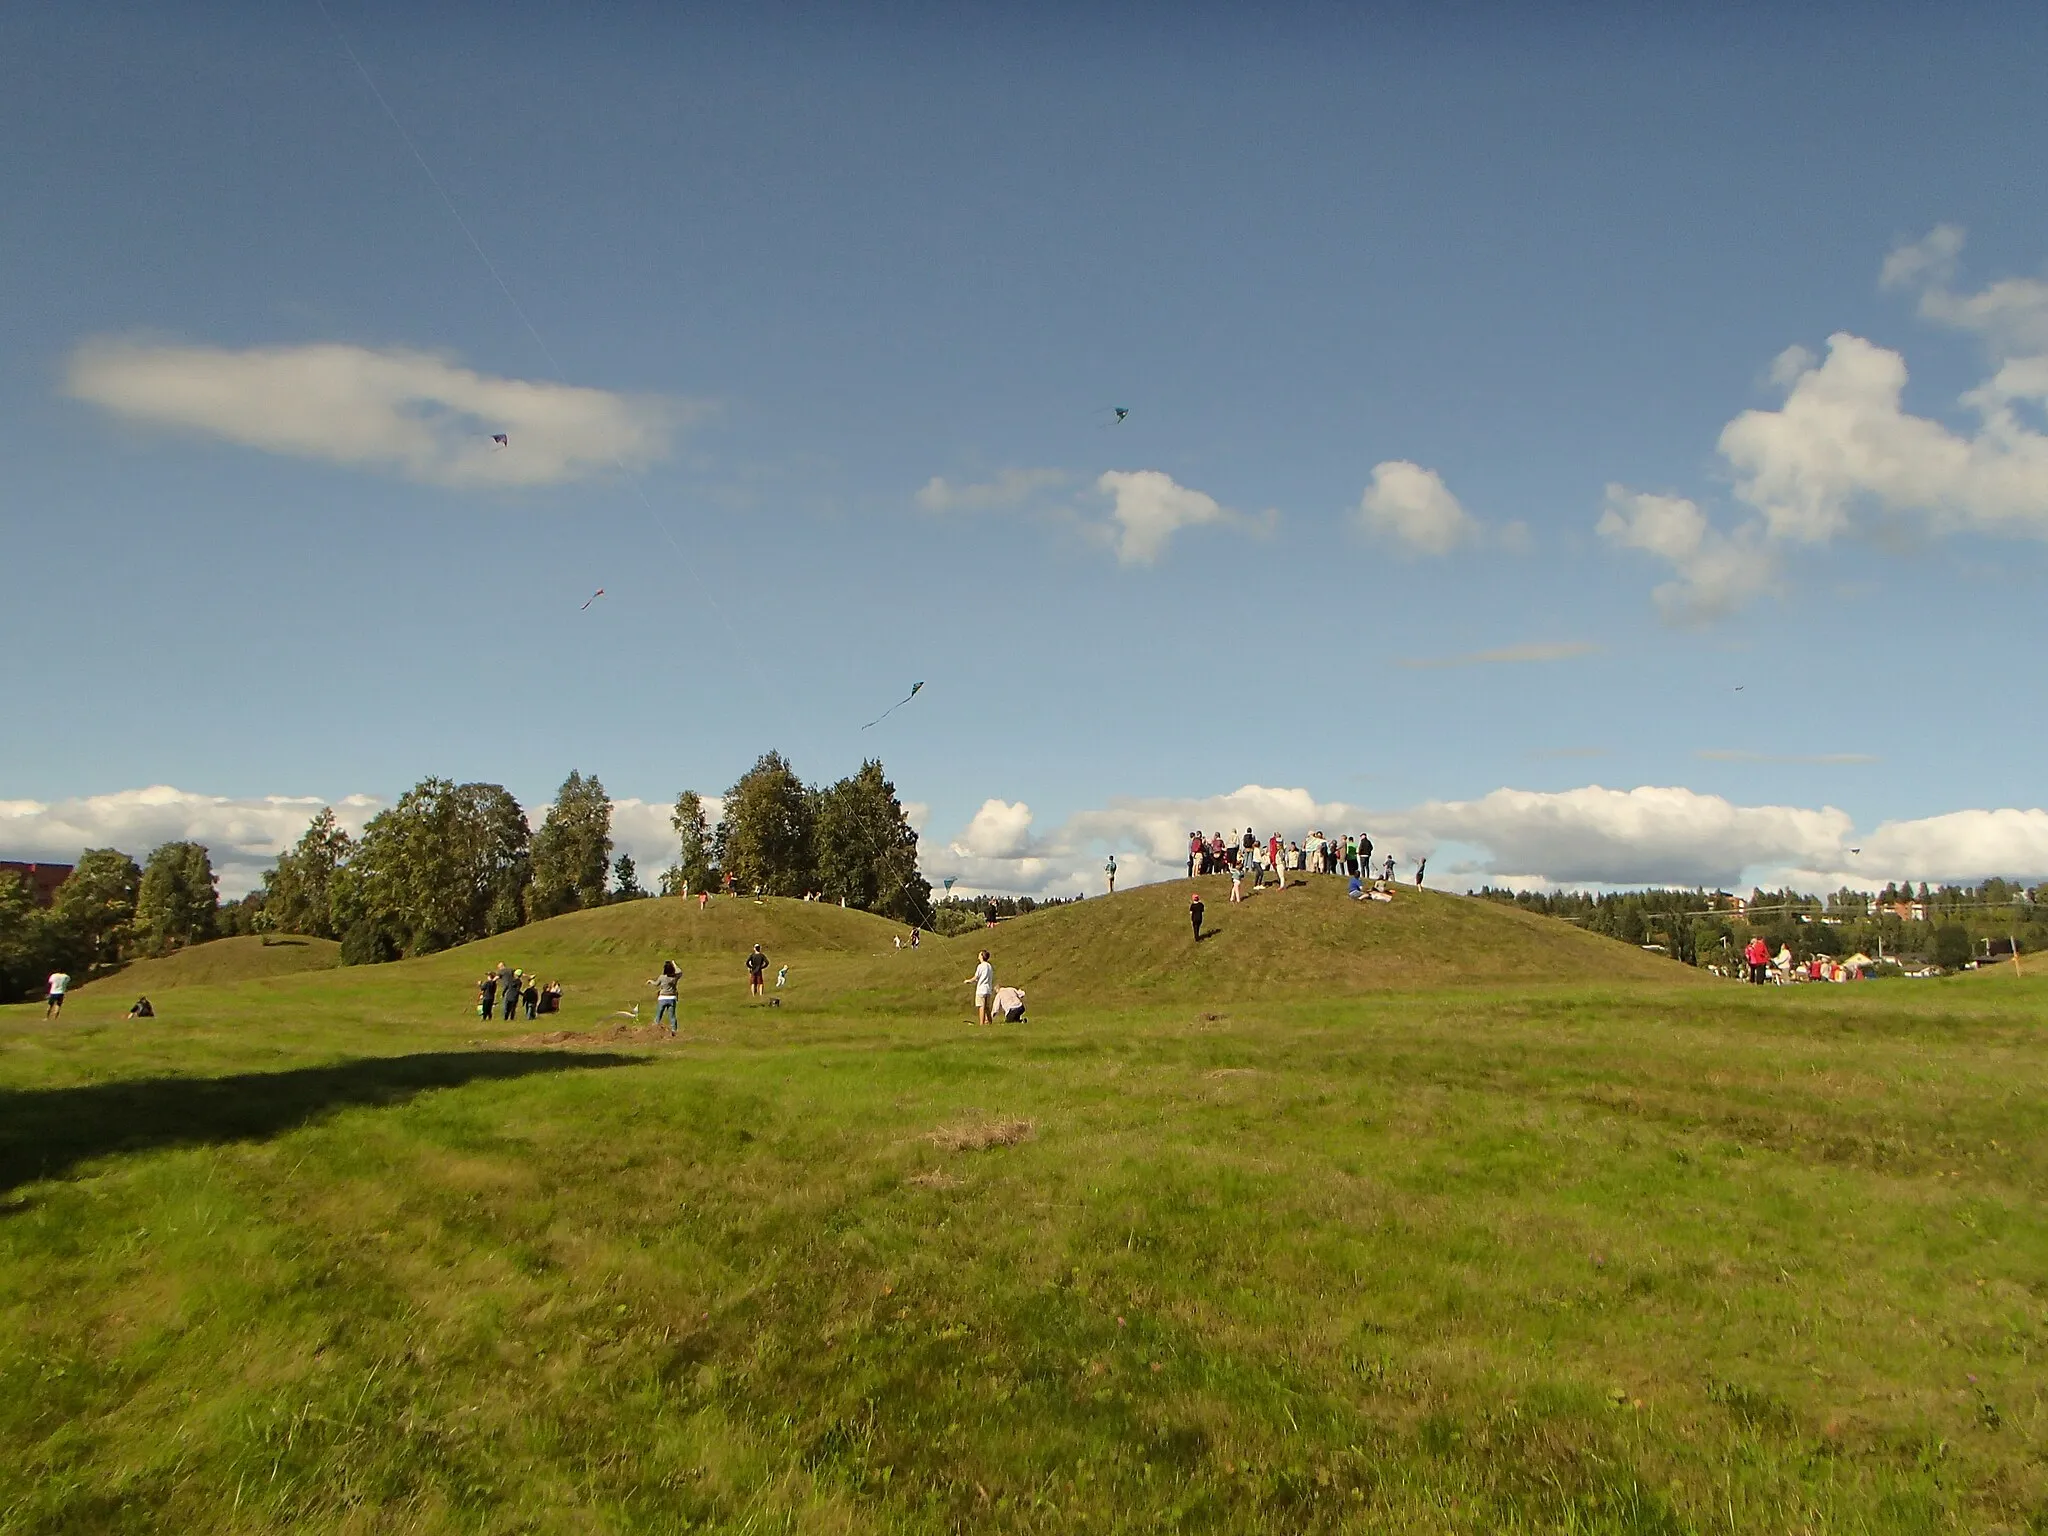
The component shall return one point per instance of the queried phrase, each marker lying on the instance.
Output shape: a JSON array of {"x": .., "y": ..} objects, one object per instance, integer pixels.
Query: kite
[
  {"x": 1855, "y": 850},
  {"x": 1121, "y": 411},
  {"x": 885, "y": 714},
  {"x": 501, "y": 439},
  {"x": 591, "y": 599}
]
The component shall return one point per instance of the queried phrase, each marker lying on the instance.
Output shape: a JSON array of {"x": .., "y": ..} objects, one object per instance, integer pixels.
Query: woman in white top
[{"x": 984, "y": 979}]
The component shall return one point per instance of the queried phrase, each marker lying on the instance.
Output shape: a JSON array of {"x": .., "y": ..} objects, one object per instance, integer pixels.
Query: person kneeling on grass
[
  {"x": 984, "y": 982},
  {"x": 1009, "y": 1004}
]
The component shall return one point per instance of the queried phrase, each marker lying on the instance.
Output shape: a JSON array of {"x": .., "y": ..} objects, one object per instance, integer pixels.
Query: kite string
[{"x": 547, "y": 352}]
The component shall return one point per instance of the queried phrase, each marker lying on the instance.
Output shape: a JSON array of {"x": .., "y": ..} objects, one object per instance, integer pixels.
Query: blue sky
[{"x": 818, "y": 258}]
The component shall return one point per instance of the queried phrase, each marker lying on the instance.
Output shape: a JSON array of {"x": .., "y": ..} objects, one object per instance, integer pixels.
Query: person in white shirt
[
  {"x": 984, "y": 979},
  {"x": 59, "y": 985}
]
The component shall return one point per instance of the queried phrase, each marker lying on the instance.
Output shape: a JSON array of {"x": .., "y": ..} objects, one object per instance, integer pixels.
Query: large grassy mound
[
  {"x": 224, "y": 962},
  {"x": 1561, "y": 1258},
  {"x": 1310, "y": 939}
]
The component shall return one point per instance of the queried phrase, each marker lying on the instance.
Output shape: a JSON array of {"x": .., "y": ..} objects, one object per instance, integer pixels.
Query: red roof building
[{"x": 42, "y": 880}]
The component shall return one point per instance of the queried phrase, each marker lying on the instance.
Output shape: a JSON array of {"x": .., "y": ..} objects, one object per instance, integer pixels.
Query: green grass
[
  {"x": 1324, "y": 1227},
  {"x": 219, "y": 963}
]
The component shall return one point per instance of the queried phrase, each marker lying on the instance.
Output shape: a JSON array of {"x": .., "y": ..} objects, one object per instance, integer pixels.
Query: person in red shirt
[{"x": 1758, "y": 954}]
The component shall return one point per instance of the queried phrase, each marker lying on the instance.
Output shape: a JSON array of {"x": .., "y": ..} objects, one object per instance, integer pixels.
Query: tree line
[
  {"x": 450, "y": 863},
  {"x": 1704, "y": 928}
]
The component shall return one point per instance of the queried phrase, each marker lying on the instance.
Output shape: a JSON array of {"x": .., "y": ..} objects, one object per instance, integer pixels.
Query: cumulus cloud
[
  {"x": 243, "y": 835},
  {"x": 394, "y": 411},
  {"x": 1412, "y": 507},
  {"x": 1509, "y": 655},
  {"x": 1716, "y": 572},
  {"x": 1147, "y": 509},
  {"x": 1010, "y": 488},
  {"x": 1843, "y": 449}
]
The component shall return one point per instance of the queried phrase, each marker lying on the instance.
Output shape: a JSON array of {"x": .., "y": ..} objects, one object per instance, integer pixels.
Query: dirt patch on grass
[
  {"x": 980, "y": 1135},
  {"x": 934, "y": 1178},
  {"x": 1231, "y": 1072},
  {"x": 617, "y": 1034}
]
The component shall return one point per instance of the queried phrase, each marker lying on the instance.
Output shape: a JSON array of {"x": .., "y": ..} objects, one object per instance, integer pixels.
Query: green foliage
[
  {"x": 176, "y": 902},
  {"x": 1951, "y": 947},
  {"x": 626, "y": 879},
  {"x": 867, "y": 849},
  {"x": 28, "y": 940},
  {"x": 299, "y": 891},
  {"x": 693, "y": 870},
  {"x": 446, "y": 864},
  {"x": 766, "y": 838},
  {"x": 572, "y": 850},
  {"x": 95, "y": 909}
]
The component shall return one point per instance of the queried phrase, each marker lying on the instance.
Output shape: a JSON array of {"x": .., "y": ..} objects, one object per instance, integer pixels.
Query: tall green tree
[
  {"x": 1951, "y": 948},
  {"x": 28, "y": 941},
  {"x": 298, "y": 894},
  {"x": 765, "y": 838},
  {"x": 448, "y": 863},
  {"x": 176, "y": 902},
  {"x": 693, "y": 869},
  {"x": 94, "y": 908},
  {"x": 572, "y": 851},
  {"x": 626, "y": 879},
  {"x": 867, "y": 849}
]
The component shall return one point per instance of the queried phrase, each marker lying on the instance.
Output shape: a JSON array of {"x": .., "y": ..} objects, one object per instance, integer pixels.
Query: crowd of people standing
[{"x": 1245, "y": 854}]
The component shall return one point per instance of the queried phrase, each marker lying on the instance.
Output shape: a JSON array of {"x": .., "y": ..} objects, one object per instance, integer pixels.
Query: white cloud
[
  {"x": 1149, "y": 509},
  {"x": 1932, "y": 258},
  {"x": 1412, "y": 506},
  {"x": 1586, "y": 836},
  {"x": 1010, "y": 488},
  {"x": 1716, "y": 572},
  {"x": 244, "y": 836},
  {"x": 1843, "y": 449},
  {"x": 1535, "y": 650},
  {"x": 396, "y": 411}
]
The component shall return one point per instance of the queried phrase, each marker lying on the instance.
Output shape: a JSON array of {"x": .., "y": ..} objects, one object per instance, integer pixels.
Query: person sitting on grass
[
  {"x": 142, "y": 1010},
  {"x": 551, "y": 997}
]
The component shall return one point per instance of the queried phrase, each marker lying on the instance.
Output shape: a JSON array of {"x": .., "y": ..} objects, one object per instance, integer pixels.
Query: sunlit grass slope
[
  {"x": 1542, "y": 1255},
  {"x": 1310, "y": 940},
  {"x": 221, "y": 962}
]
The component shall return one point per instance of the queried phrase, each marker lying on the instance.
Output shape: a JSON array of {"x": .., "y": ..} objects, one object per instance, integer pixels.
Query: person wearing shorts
[
  {"x": 757, "y": 969},
  {"x": 60, "y": 983},
  {"x": 984, "y": 979}
]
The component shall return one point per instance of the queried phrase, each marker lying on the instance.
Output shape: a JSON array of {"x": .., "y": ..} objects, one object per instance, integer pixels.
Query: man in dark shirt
[
  {"x": 757, "y": 968},
  {"x": 1195, "y": 915}
]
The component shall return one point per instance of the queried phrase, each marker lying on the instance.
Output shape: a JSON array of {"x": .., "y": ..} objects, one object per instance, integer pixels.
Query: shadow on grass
[{"x": 46, "y": 1132}]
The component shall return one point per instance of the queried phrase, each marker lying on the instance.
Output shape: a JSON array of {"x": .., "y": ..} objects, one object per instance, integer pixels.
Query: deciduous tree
[
  {"x": 765, "y": 836},
  {"x": 867, "y": 849},
  {"x": 176, "y": 901},
  {"x": 572, "y": 851}
]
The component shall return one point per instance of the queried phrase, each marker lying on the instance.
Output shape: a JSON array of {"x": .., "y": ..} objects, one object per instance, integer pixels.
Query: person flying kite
[{"x": 885, "y": 714}]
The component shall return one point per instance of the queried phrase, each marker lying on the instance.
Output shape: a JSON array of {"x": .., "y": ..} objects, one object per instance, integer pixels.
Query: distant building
[{"x": 42, "y": 880}]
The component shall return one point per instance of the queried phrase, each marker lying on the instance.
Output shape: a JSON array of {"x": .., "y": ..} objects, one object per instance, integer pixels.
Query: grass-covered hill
[
  {"x": 221, "y": 962},
  {"x": 1445, "y": 1220},
  {"x": 1309, "y": 940}
]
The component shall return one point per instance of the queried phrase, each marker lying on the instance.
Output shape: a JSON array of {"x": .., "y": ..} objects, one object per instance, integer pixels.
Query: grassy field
[{"x": 1428, "y": 1217}]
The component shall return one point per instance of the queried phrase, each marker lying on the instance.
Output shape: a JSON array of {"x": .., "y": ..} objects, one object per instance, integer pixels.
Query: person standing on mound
[
  {"x": 1109, "y": 869},
  {"x": 984, "y": 979},
  {"x": 1195, "y": 915},
  {"x": 757, "y": 970}
]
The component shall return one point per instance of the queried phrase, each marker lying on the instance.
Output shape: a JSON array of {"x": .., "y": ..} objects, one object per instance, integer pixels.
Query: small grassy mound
[
  {"x": 670, "y": 927},
  {"x": 1310, "y": 939},
  {"x": 248, "y": 957}
]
